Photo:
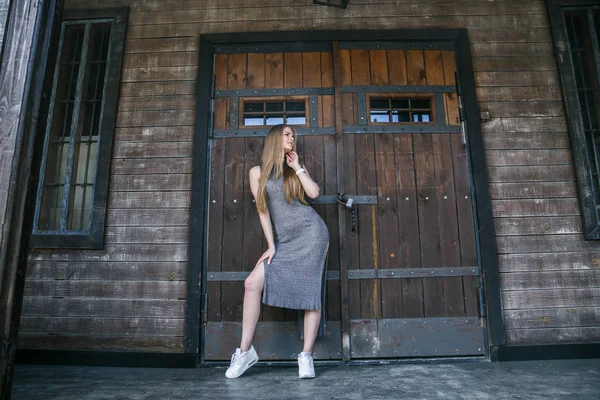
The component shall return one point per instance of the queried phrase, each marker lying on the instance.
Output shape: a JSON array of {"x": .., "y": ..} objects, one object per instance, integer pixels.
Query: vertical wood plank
[
  {"x": 466, "y": 229},
  {"x": 311, "y": 69},
  {"x": 449, "y": 240},
  {"x": 292, "y": 70},
  {"x": 326, "y": 69},
  {"x": 397, "y": 67},
  {"x": 215, "y": 226},
  {"x": 221, "y": 70},
  {"x": 236, "y": 71},
  {"x": 434, "y": 71},
  {"x": 256, "y": 71},
  {"x": 391, "y": 289},
  {"x": 428, "y": 223},
  {"x": 379, "y": 67},
  {"x": 408, "y": 226},
  {"x": 450, "y": 99},
  {"x": 360, "y": 67},
  {"x": 415, "y": 67},
  {"x": 274, "y": 70}
]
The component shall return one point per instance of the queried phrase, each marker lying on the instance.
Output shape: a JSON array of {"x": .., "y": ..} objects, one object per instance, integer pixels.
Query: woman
[{"x": 289, "y": 273}]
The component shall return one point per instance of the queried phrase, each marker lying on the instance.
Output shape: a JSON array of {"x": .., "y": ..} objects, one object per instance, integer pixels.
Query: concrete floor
[{"x": 564, "y": 379}]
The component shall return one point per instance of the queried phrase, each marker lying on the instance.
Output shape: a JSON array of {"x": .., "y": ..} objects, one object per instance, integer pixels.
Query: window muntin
[
  {"x": 405, "y": 109},
  {"x": 273, "y": 111}
]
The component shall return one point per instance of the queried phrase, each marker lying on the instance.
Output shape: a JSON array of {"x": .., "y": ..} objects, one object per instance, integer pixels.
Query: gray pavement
[{"x": 560, "y": 379}]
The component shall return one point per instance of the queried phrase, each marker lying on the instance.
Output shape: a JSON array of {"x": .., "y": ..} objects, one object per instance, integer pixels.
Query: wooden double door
[{"x": 379, "y": 123}]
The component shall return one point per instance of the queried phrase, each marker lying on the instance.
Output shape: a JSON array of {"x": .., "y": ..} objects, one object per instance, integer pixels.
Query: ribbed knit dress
[{"x": 294, "y": 277}]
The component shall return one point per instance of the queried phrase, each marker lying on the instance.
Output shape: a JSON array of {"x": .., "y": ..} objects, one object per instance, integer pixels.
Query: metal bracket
[{"x": 333, "y": 199}]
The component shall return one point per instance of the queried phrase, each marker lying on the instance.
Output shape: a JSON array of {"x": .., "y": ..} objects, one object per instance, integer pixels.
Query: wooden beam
[{"x": 31, "y": 29}]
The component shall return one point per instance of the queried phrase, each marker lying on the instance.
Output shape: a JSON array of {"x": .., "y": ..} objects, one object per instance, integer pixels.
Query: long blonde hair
[{"x": 273, "y": 159}]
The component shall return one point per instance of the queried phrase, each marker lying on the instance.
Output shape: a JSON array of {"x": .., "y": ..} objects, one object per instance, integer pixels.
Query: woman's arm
[
  {"x": 310, "y": 187},
  {"x": 265, "y": 218}
]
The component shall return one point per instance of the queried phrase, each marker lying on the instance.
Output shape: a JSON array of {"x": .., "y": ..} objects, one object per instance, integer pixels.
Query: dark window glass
[
  {"x": 274, "y": 112},
  {"x": 400, "y": 110}
]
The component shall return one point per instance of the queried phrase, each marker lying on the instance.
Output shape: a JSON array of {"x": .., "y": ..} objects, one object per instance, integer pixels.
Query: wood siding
[{"x": 131, "y": 295}]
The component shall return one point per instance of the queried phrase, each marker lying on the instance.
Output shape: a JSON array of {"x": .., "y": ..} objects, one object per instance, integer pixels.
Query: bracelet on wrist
[{"x": 301, "y": 170}]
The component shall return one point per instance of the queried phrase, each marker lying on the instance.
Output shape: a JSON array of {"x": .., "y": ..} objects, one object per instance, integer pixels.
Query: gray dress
[{"x": 294, "y": 277}]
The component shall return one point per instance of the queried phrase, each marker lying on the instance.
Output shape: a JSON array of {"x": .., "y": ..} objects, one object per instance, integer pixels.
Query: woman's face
[{"x": 288, "y": 139}]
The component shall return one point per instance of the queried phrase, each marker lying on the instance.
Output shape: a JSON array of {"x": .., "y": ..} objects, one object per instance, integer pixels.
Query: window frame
[
  {"x": 93, "y": 237},
  {"x": 579, "y": 147},
  {"x": 282, "y": 99},
  {"x": 404, "y": 96}
]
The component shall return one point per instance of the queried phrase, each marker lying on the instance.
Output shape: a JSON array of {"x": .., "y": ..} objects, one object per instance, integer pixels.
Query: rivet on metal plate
[
  {"x": 478, "y": 349},
  {"x": 214, "y": 201}
]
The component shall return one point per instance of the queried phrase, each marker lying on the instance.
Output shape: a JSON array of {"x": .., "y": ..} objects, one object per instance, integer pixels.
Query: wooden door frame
[{"x": 484, "y": 224}]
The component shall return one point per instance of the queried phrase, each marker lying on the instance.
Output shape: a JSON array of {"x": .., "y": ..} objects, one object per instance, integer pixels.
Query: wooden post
[{"x": 31, "y": 28}]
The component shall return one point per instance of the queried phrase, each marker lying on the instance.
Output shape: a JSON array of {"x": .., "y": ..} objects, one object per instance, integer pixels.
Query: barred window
[
  {"x": 269, "y": 112},
  {"x": 576, "y": 31},
  {"x": 398, "y": 110},
  {"x": 71, "y": 196}
]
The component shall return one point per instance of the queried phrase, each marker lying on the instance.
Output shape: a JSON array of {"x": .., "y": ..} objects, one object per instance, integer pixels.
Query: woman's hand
[
  {"x": 267, "y": 255},
  {"x": 291, "y": 159}
]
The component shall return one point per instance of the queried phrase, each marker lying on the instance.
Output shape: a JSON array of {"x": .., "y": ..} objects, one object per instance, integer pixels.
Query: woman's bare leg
[
  {"x": 253, "y": 286},
  {"x": 311, "y": 326}
]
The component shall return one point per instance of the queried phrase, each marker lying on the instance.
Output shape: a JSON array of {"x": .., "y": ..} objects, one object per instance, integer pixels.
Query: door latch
[{"x": 348, "y": 202}]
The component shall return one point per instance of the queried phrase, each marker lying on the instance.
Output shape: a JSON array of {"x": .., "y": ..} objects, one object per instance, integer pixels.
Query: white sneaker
[
  {"x": 240, "y": 362},
  {"x": 306, "y": 368}
]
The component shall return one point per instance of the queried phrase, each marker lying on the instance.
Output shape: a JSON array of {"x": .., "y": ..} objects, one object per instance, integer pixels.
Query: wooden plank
[
  {"x": 379, "y": 67},
  {"x": 535, "y": 190},
  {"x": 538, "y": 226},
  {"x": 233, "y": 219},
  {"x": 109, "y": 271},
  {"x": 151, "y": 74},
  {"x": 453, "y": 295},
  {"x": 517, "y": 141},
  {"x": 527, "y": 299},
  {"x": 563, "y": 280},
  {"x": 396, "y": 65},
  {"x": 544, "y": 243},
  {"x": 160, "y": 45},
  {"x": 102, "y": 308},
  {"x": 171, "y": 59},
  {"x": 155, "y": 118},
  {"x": 565, "y": 261},
  {"x": 157, "y": 103},
  {"x": 156, "y": 199},
  {"x": 552, "y": 318},
  {"x": 139, "y": 183},
  {"x": 553, "y": 335},
  {"x": 429, "y": 228},
  {"x": 133, "y": 166},
  {"x": 449, "y": 67},
  {"x": 518, "y": 35},
  {"x": 166, "y": 290},
  {"x": 520, "y": 78},
  {"x": 408, "y": 225},
  {"x": 236, "y": 71},
  {"x": 292, "y": 70},
  {"x": 221, "y": 71},
  {"x": 523, "y": 109},
  {"x": 148, "y": 216},
  {"x": 157, "y": 88},
  {"x": 256, "y": 71},
  {"x": 434, "y": 70},
  {"x": 291, "y": 13},
  {"x": 466, "y": 224},
  {"x": 304, "y": 23},
  {"x": 387, "y": 215},
  {"x": 94, "y": 326},
  {"x": 500, "y": 62},
  {"x": 415, "y": 67},
  {"x": 541, "y": 49},
  {"x": 215, "y": 226},
  {"x": 311, "y": 69},
  {"x": 152, "y": 149},
  {"x": 147, "y": 234},
  {"x": 535, "y": 207},
  {"x": 116, "y": 252},
  {"x": 491, "y": 93},
  {"x": 148, "y": 344},
  {"x": 551, "y": 173},
  {"x": 155, "y": 134},
  {"x": 360, "y": 67},
  {"x": 274, "y": 70}
]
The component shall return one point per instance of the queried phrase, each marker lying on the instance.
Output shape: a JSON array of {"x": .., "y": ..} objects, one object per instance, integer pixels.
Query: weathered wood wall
[
  {"x": 3, "y": 15},
  {"x": 130, "y": 296}
]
